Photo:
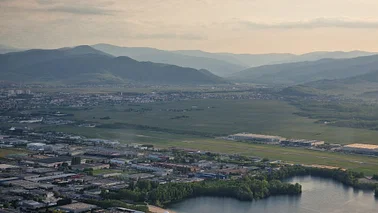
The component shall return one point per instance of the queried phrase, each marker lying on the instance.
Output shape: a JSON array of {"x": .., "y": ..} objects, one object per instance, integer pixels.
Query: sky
[{"x": 237, "y": 26}]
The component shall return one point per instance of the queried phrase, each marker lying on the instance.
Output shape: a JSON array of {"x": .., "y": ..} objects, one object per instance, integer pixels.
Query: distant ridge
[
  {"x": 216, "y": 66},
  {"x": 303, "y": 72},
  {"x": 84, "y": 64}
]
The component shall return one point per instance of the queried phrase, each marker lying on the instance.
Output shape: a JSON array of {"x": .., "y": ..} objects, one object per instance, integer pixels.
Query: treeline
[
  {"x": 346, "y": 177},
  {"x": 246, "y": 189}
]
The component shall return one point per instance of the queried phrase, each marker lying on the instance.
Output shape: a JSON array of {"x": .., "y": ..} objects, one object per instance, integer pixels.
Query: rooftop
[
  {"x": 54, "y": 159},
  {"x": 74, "y": 207},
  {"x": 7, "y": 166},
  {"x": 362, "y": 146},
  {"x": 257, "y": 136}
]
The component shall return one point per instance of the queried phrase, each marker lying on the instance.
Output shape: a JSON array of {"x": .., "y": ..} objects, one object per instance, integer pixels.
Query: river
[{"x": 319, "y": 195}]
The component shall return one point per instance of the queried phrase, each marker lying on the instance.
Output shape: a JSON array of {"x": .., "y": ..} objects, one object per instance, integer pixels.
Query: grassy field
[
  {"x": 4, "y": 152},
  {"x": 368, "y": 165},
  {"x": 223, "y": 117}
]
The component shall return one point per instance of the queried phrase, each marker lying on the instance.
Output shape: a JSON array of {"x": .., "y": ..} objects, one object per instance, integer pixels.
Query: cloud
[
  {"x": 314, "y": 23},
  {"x": 80, "y": 10},
  {"x": 169, "y": 36},
  {"x": 46, "y": 2}
]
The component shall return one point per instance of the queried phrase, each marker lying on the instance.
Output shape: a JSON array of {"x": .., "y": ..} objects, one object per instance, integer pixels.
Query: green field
[
  {"x": 368, "y": 165},
  {"x": 223, "y": 117}
]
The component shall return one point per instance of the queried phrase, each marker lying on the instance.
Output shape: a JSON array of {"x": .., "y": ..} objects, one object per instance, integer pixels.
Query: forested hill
[{"x": 83, "y": 64}]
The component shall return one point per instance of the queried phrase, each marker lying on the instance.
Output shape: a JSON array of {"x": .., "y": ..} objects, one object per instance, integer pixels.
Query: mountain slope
[
  {"x": 216, "y": 66},
  {"x": 365, "y": 85},
  {"x": 254, "y": 60},
  {"x": 84, "y": 64},
  {"x": 7, "y": 49},
  {"x": 302, "y": 72}
]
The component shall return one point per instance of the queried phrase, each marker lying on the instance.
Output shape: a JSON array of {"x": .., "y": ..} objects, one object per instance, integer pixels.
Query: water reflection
[{"x": 319, "y": 195}]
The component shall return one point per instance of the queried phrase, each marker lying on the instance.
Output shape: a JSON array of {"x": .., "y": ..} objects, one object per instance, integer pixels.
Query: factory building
[
  {"x": 36, "y": 146},
  {"x": 301, "y": 142},
  {"x": 256, "y": 138},
  {"x": 369, "y": 149}
]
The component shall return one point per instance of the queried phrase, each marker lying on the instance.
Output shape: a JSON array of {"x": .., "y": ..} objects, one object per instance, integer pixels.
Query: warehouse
[
  {"x": 369, "y": 149},
  {"x": 301, "y": 142},
  {"x": 36, "y": 146},
  {"x": 76, "y": 207},
  {"x": 54, "y": 161},
  {"x": 256, "y": 138}
]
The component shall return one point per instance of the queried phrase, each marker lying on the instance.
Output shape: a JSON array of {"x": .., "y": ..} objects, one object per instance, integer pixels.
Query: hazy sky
[{"x": 239, "y": 26}]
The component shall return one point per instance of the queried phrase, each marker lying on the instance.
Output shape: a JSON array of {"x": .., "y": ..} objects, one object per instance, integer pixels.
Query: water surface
[{"x": 319, "y": 195}]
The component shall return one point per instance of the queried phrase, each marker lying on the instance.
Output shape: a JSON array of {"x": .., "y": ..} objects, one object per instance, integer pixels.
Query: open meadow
[
  {"x": 196, "y": 123},
  {"x": 218, "y": 118}
]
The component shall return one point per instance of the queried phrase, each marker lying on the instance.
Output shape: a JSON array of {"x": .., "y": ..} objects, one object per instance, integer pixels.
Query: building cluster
[
  {"x": 61, "y": 172},
  {"x": 269, "y": 139}
]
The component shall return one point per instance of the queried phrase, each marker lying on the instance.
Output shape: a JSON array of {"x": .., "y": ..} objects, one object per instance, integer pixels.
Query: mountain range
[
  {"x": 84, "y": 64},
  {"x": 105, "y": 63},
  {"x": 217, "y": 66},
  {"x": 222, "y": 64},
  {"x": 303, "y": 72}
]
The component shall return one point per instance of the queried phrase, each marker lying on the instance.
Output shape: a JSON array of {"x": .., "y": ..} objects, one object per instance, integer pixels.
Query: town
[
  {"x": 51, "y": 171},
  {"x": 67, "y": 172}
]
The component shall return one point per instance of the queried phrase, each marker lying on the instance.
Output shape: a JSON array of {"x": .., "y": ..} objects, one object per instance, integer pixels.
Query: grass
[
  {"x": 368, "y": 165},
  {"x": 223, "y": 117},
  {"x": 4, "y": 152}
]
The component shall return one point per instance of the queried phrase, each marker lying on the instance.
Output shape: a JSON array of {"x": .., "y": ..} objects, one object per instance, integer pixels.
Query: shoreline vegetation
[{"x": 246, "y": 189}]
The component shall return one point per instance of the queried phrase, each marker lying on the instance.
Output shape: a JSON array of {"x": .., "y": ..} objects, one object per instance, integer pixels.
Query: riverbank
[{"x": 155, "y": 209}]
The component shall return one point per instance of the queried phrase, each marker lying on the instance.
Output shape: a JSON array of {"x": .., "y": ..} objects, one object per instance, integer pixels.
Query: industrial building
[
  {"x": 76, "y": 207},
  {"x": 36, "y": 146},
  {"x": 369, "y": 149},
  {"x": 256, "y": 138},
  {"x": 301, "y": 142},
  {"x": 51, "y": 162}
]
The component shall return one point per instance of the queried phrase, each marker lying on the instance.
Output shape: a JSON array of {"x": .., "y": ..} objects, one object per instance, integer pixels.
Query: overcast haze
[{"x": 238, "y": 26}]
